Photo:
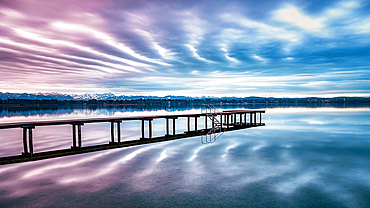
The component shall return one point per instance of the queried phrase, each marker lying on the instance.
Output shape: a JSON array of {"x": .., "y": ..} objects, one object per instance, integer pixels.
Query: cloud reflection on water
[{"x": 291, "y": 162}]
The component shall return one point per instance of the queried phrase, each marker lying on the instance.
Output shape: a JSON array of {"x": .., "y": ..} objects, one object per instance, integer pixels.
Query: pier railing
[
  {"x": 214, "y": 115},
  {"x": 227, "y": 122}
]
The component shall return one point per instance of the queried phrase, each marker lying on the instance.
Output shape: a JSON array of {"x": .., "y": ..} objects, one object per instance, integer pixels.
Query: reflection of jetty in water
[{"x": 227, "y": 120}]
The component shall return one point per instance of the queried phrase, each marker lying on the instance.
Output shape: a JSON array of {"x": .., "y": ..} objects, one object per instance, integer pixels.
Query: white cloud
[
  {"x": 292, "y": 15},
  {"x": 11, "y": 13},
  {"x": 231, "y": 59},
  {"x": 63, "y": 43},
  {"x": 362, "y": 26},
  {"x": 264, "y": 31},
  {"x": 344, "y": 12},
  {"x": 106, "y": 38},
  {"x": 196, "y": 55},
  {"x": 259, "y": 58},
  {"x": 165, "y": 53},
  {"x": 228, "y": 57},
  {"x": 194, "y": 27}
]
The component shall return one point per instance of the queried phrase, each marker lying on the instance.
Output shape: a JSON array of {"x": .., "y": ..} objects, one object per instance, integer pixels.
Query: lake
[{"x": 302, "y": 157}]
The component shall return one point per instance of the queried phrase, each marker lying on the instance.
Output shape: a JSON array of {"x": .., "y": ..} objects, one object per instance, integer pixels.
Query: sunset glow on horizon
[{"x": 191, "y": 48}]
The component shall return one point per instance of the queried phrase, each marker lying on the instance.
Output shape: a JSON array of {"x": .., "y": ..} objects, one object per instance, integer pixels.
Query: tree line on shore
[{"x": 195, "y": 101}]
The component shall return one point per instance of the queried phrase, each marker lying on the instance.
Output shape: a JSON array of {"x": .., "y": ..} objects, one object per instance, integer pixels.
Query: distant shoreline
[{"x": 13, "y": 102}]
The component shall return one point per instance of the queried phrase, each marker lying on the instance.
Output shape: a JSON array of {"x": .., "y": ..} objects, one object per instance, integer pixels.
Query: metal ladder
[{"x": 216, "y": 132}]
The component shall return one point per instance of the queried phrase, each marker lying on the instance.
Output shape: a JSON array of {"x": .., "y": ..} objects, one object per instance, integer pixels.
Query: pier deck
[{"x": 227, "y": 121}]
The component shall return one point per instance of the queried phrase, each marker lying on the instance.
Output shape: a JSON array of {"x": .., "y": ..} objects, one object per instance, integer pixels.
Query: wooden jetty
[{"x": 227, "y": 120}]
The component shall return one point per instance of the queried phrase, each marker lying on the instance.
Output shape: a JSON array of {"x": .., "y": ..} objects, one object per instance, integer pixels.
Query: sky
[{"x": 193, "y": 48}]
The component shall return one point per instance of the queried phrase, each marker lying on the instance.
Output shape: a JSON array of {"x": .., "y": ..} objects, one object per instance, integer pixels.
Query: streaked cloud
[
  {"x": 292, "y": 15},
  {"x": 234, "y": 48}
]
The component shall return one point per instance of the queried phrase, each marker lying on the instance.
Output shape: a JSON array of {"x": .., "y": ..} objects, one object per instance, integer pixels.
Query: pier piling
[
  {"x": 28, "y": 148},
  {"x": 167, "y": 127},
  {"x": 196, "y": 123},
  {"x": 174, "y": 126}
]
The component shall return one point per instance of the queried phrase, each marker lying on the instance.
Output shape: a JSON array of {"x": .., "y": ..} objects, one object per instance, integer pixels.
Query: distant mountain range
[
  {"x": 104, "y": 96},
  {"x": 112, "y": 98}
]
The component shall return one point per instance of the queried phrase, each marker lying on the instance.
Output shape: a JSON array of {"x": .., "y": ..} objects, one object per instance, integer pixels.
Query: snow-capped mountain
[{"x": 59, "y": 96}]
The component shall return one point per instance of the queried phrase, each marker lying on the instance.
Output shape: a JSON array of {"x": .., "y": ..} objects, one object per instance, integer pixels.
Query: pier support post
[
  {"x": 167, "y": 127},
  {"x": 112, "y": 131},
  {"x": 74, "y": 136},
  {"x": 28, "y": 149},
  {"x": 150, "y": 133},
  {"x": 196, "y": 123},
  {"x": 25, "y": 146},
  {"x": 255, "y": 118},
  {"x": 250, "y": 118},
  {"x": 30, "y": 140},
  {"x": 118, "y": 131},
  {"x": 245, "y": 118},
  {"x": 79, "y": 135},
  {"x": 174, "y": 126},
  {"x": 205, "y": 122},
  {"x": 228, "y": 121},
  {"x": 188, "y": 123},
  {"x": 221, "y": 121},
  {"x": 142, "y": 129},
  {"x": 150, "y": 129},
  {"x": 234, "y": 119}
]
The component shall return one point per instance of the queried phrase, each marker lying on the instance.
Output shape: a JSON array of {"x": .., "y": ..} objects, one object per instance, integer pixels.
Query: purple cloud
[{"x": 191, "y": 48}]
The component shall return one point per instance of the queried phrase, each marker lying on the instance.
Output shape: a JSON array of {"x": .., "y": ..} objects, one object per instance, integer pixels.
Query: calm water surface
[{"x": 303, "y": 157}]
